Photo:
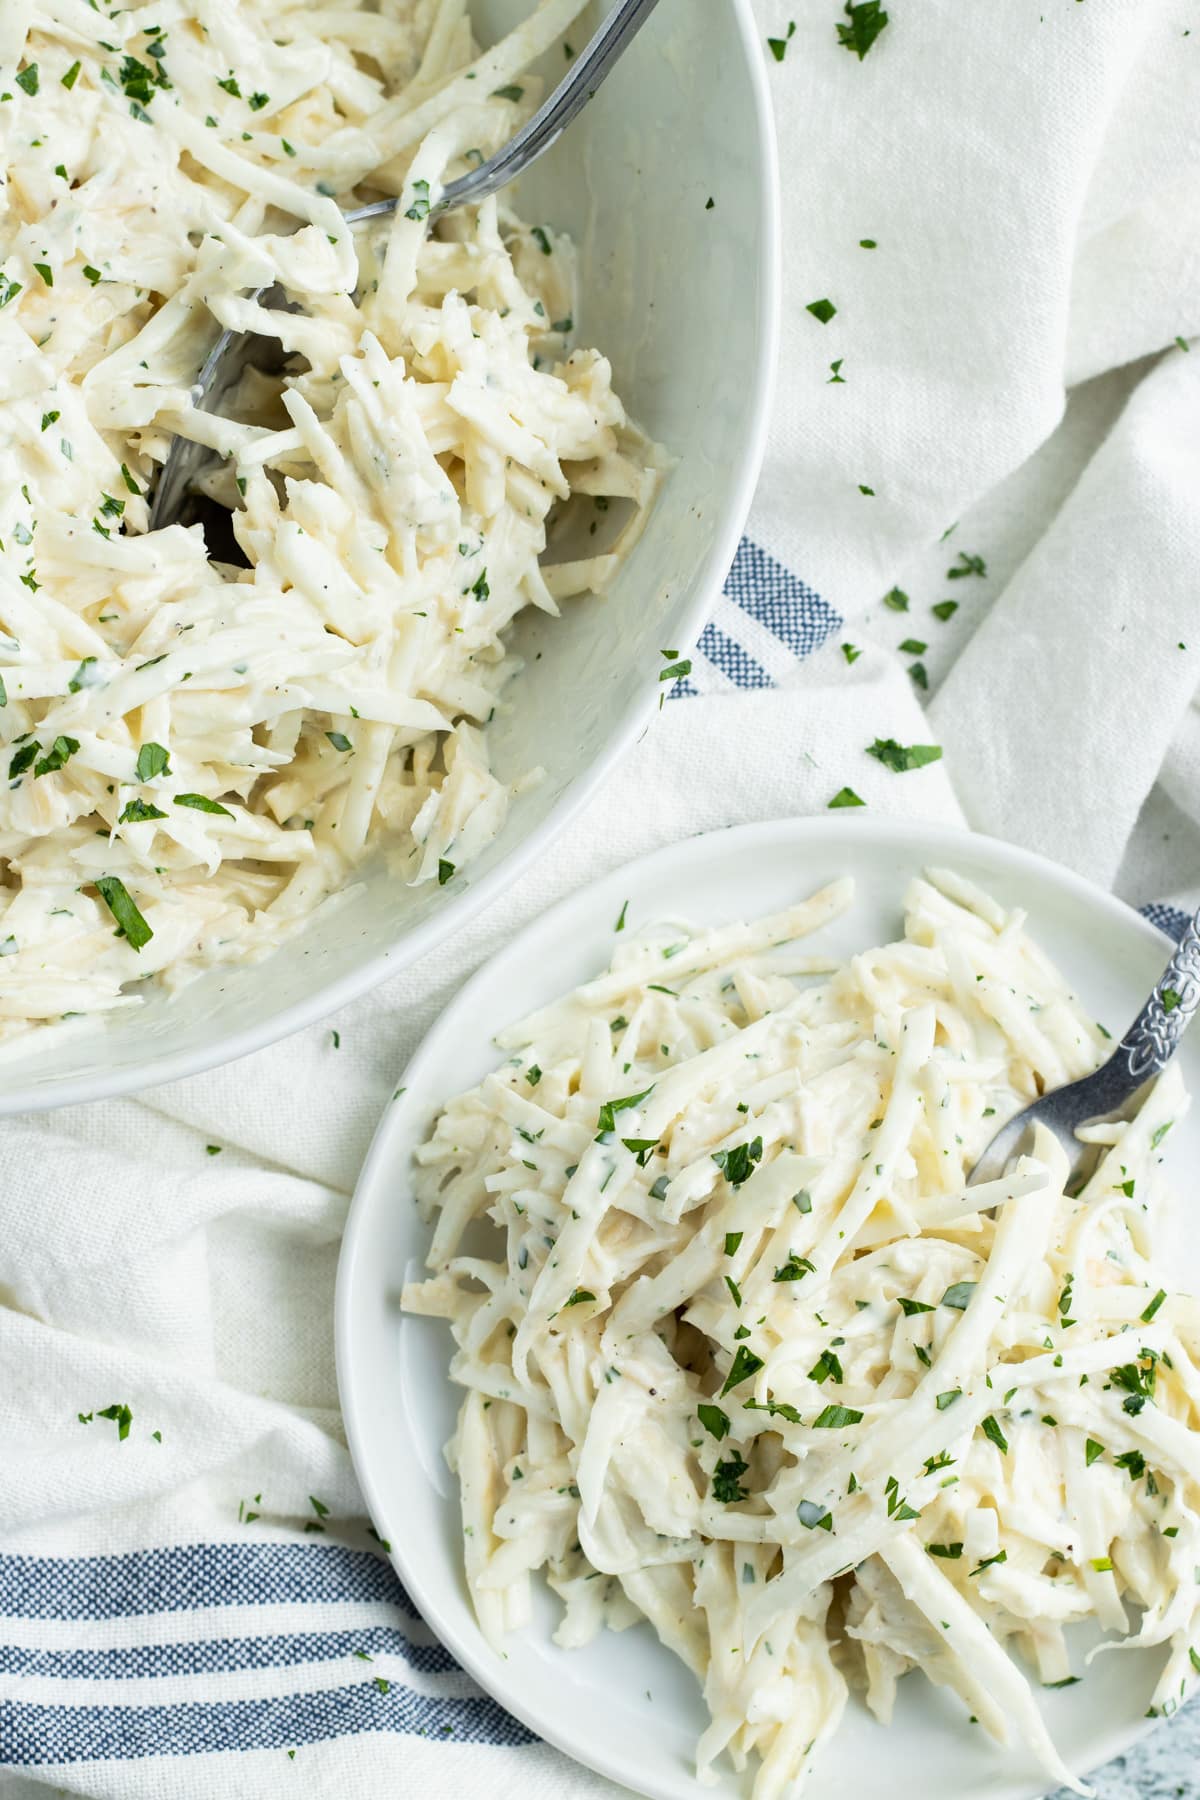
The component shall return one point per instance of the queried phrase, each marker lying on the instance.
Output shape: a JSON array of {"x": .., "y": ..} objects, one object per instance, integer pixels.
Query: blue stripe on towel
[
  {"x": 776, "y": 600},
  {"x": 223, "y": 1655},
  {"x": 186, "y": 1577},
  {"x": 36, "y": 1734},
  {"x": 779, "y": 600},
  {"x": 1169, "y": 919}
]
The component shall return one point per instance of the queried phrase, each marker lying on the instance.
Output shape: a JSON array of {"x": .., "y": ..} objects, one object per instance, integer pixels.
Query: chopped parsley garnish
[
  {"x": 945, "y": 609},
  {"x": 802, "y": 1201},
  {"x": 620, "y": 924},
  {"x": 71, "y": 76},
  {"x": 1154, "y": 1306},
  {"x": 1170, "y": 999},
  {"x": 479, "y": 587},
  {"x": 813, "y": 1516},
  {"x": 9, "y": 289},
  {"x": 1133, "y": 1461},
  {"x": 909, "y": 1307},
  {"x": 130, "y": 922},
  {"x": 991, "y": 1430},
  {"x": 966, "y": 565},
  {"x": 778, "y": 46},
  {"x": 732, "y": 1240},
  {"x": 714, "y": 1421},
  {"x": 201, "y": 803},
  {"x": 152, "y": 761},
  {"x": 676, "y": 670},
  {"x": 794, "y": 1269},
  {"x": 896, "y": 600},
  {"x": 951, "y": 1552},
  {"x": 27, "y": 78},
  {"x": 1138, "y": 1381},
  {"x": 781, "y": 1407},
  {"x": 867, "y": 19},
  {"x": 538, "y": 234},
  {"x": 851, "y": 652},
  {"x": 845, "y": 796},
  {"x": 445, "y": 871},
  {"x": 948, "y": 1398},
  {"x": 137, "y": 811},
  {"x": 508, "y": 93},
  {"x": 737, "y": 1164},
  {"x": 826, "y": 1368},
  {"x": 579, "y": 1296},
  {"x": 988, "y": 1562},
  {"x": 901, "y": 757},
  {"x": 744, "y": 1364},
  {"x": 420, "y": 205},
  {"x": 56, "y": 757},
  {"x": 913, "y": 647},
  {"x": 139, "y": 81},
  {"x": 959, "y": 1295},
  {"x": 726, "y": 1480},
  {"x": 606, "y": 1119},
  {"x": 339, "y": 740},
  {"x": 832, "y": 1418},
  {"x": 1091, "y": 1451},
  {"x": 824, "y": 310},
  {"x": 120, "y": 1415}
]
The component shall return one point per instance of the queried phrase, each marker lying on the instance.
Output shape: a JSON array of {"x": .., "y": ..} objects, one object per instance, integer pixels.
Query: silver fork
[
  {"x": 233, "y": 349},
  {"x": 1142, "y": 1053}
]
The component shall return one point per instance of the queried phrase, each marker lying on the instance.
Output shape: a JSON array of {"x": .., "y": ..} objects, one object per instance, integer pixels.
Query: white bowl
[
  {"x": 624, "y": 1704},
  {"x": 682, "y": 297}
]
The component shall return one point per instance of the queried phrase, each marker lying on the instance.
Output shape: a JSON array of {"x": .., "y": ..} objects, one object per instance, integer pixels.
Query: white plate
[
  {"x": 668, "y": 184},
  {"x": 624, "y": 1705}
]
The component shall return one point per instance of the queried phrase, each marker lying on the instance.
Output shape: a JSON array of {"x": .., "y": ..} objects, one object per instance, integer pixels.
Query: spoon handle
[
  {"x": 608, "y": 43},
  {"x": 1153, "y": 1038}
]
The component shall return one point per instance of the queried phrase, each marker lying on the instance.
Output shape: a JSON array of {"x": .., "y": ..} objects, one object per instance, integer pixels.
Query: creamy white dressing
[
  {"x": 194, "y": 756},
  {"x": 746, "y": 1357}
]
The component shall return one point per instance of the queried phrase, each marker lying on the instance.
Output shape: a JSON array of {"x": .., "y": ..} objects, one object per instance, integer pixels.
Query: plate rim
[{"x": 880, "y": 829}]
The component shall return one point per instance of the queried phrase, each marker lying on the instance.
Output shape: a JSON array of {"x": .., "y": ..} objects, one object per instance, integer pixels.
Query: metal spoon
[
  {"x": 1143, "y": 1052},
  {"x": 232, "y": 350}
]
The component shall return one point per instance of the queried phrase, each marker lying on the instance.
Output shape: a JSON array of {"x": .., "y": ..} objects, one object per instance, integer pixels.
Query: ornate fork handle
[{"x": 1153, "y": 1037}]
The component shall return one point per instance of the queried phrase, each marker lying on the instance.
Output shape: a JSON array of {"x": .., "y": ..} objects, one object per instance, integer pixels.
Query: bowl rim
[{"x": 107, "y": 1084}]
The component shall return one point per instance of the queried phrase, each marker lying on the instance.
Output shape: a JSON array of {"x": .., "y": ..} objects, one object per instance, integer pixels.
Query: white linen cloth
[{"x": 1030, "y": 173}]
